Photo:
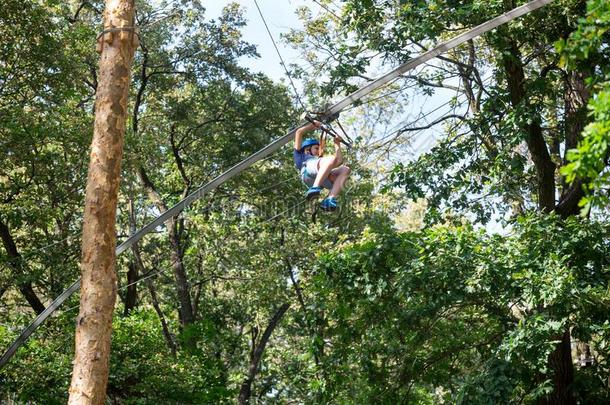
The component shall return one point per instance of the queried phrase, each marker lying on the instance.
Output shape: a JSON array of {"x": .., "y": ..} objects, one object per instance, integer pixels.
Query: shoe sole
[
  {"x": 311, "y": 196},
  {"x": 328, "y": 208}
]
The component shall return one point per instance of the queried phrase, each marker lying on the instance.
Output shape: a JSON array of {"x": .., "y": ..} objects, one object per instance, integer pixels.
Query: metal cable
[
  {"x": 403, "y": 125},
  {"x": 327, "y": 9},
  {"x": 296, "y": 93}
]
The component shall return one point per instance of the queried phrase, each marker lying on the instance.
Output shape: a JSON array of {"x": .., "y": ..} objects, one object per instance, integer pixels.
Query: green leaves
[
  {"x": 453, "y": 297},
  {"x": 588, "y": 161}
]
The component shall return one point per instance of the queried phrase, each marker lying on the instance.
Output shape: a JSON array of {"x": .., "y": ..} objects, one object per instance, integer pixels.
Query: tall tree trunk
[
  {"x": 257, "y": 353},
  {"x": 131, "y": 295},
  {"x": 545, "y": 168},
  {"x": 98, "y": 285},
  {"x": 139, "y": 265},
  {"x": 560, "y": 361},
  {"x": 576, "y": 96},
  {"x": 16, "y": 263},
  {"x": 166, "y": 333},
  {"x": 186, "y": 313}
]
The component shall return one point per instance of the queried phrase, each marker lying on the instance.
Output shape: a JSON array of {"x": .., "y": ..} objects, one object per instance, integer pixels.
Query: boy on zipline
[{"x": 318, "y": 171}]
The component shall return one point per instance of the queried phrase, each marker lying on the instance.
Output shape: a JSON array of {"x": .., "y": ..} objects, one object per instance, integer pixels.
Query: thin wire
[
  {"x": 10, "y": 260},
  {"x": 405, "y": 87},
  {"x": 146, "y": 277},
  {"x": 296, "y": 93},
  {"x": 403, "y": 125},
  {"x": 327, "y": 9},
  {"x": 33, "y": 252},
  {"x": 200, "y": 212},
  {"x": 283, "y": 212}
]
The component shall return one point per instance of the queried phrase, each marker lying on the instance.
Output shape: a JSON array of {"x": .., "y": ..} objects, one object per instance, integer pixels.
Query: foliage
[
  {"x": 590, "y": 159},
  {"x": 44, "y": 138},
  {"x": 41, "y": 370},
  {"x": 447, "y": 311},
  {"x": 144, "y": 372},
  {"x": 142, "y": 369},
  {"x": 455, "y": 308}
]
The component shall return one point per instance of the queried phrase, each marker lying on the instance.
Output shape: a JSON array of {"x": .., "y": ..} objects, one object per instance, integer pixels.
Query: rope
[
  {"x": 283, "y": 212},
  {"x": 372, "y": 100},
  {"x": 296, "y": 93},
  {"x": 162, "y": 271},
  {"x": 40, "y": 249}
]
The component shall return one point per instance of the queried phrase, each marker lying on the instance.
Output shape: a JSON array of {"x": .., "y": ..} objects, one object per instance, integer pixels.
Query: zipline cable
[
  {"x": 152, "y": 274},
  {"x": 275, "y": 145}
]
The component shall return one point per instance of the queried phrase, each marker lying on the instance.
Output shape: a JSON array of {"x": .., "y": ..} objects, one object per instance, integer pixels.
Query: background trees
[{"x": 466, "y": 304}]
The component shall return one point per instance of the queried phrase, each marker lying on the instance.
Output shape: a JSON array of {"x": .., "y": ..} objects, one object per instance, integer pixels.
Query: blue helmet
[{"x": 309, "y": 142}]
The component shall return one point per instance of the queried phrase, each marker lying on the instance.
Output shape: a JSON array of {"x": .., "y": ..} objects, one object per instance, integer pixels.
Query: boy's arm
[
  {"x": 338, "y": 154},
  {"x": 322, "y": 144},
  {"x": 298, "y": 137}
]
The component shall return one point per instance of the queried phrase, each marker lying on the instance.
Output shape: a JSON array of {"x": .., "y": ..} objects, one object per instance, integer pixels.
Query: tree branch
[
  {"x": 438, "y": 121},
  {"x": 257, "y": 353}
]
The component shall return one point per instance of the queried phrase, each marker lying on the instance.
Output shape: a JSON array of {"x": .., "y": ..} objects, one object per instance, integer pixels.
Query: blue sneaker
[
  {"x": 329, "y": 204},
  {"x": 313, "y": 192}
]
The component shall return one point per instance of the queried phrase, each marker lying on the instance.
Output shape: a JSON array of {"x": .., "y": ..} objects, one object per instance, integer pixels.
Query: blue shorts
[{"x": 309, "y": 171}]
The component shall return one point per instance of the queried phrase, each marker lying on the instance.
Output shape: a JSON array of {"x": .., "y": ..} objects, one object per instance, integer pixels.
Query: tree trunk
[
  {"x": 16, "y": 263},
  {"x": 545, "y": 168},
  {"x": 257, "y": 353},
  {"x": 98, "y": 285},
  {"x": 166, "y": 333},
  {"x": 186, "y": 313},
  {"x": 560, "y": 361},
  {"x": 131, "y": 296},
  {"x": 135, "y": 266},
  {"x": 139, "y": 266},
  {"x": 576, "y": 96}
]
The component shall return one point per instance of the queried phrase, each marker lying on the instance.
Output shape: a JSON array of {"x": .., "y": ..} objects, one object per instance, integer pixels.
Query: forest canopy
[{"x": 469, "y": 261}]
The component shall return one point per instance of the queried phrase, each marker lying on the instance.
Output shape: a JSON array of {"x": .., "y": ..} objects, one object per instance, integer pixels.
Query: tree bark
[
  {"x": 16, "y": 263},
  {"x": 186, "y": 313},
  {"x": 560, "y": 361},
  {"x": 545, "y": 168},
  {"x": 257, "y": 353},
  {"x": 131, "y": 296},
  {"x": 138, "y": 263},
  {"x": 166, "y": 333},
  {"x": 98, "y": 282},
  {"x": 576, "y": 96}
]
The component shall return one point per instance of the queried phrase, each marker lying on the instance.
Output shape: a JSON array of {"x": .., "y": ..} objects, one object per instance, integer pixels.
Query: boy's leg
[
  {"x": 325, "y": 165},
  {"x": 338, "y": 177}
]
